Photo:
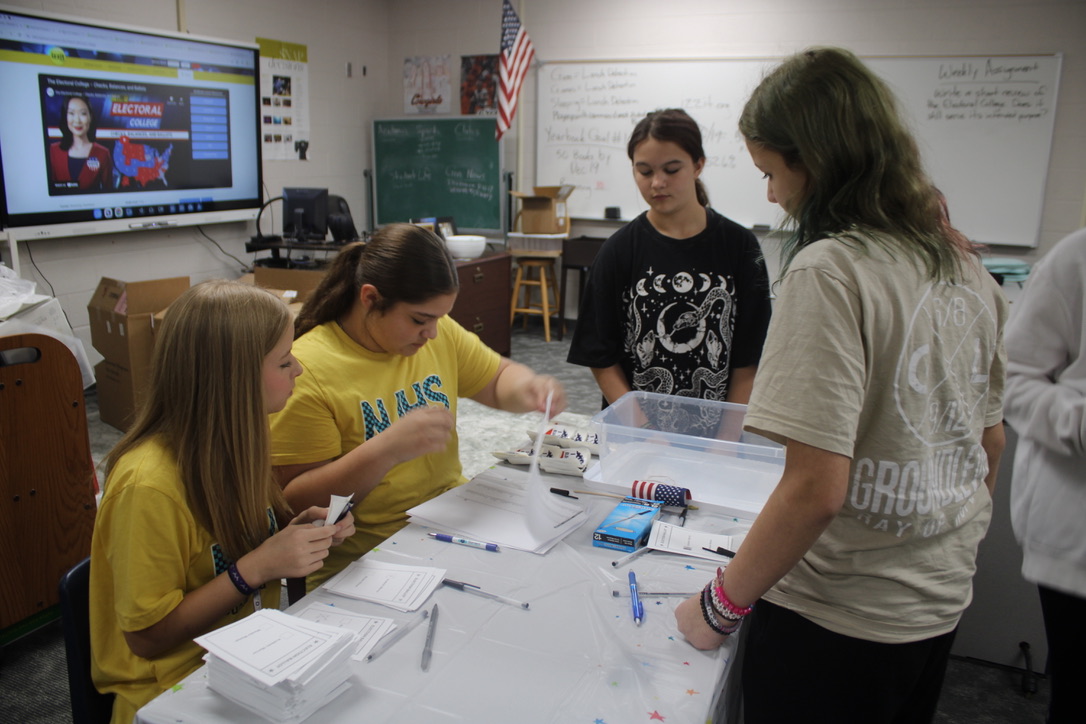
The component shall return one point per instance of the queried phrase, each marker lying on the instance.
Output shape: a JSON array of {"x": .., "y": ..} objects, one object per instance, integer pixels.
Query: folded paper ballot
[
  {"x": 403, "y": 588},
  {"x": 279, "y": 666},
  {"x": 370, "y": 629}
]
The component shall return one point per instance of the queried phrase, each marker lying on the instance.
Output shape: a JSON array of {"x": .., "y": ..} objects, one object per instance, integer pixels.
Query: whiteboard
[{"x": 983, "y": 123}]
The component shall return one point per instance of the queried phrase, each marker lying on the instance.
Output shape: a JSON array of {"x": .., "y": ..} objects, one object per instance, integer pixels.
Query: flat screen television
[
  {"x": 305, "y": 214},
  {"x": 107, "y": 128}
]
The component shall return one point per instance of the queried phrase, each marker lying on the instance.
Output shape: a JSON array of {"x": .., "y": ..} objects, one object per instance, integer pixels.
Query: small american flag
[
  {"x": 515, "y": 58},
  {"x": 666, "y": 494}
]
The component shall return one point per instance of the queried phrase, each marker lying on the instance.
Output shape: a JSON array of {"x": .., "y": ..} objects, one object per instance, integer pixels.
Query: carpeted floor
[{"x": 33, "y": 672}]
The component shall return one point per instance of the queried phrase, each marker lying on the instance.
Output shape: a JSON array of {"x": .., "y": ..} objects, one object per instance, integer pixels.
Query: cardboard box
[
  {"x": 122, "y": 317},
  {"x": 117, "y": 394},
  {"x": 628, "y": 526},
  {"x": 300, "y": 281},
  {"x": 544, "y": 211}
]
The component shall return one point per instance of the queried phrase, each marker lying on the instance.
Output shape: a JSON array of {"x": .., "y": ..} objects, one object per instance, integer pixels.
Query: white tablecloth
[{"x": 575, "y": 656}]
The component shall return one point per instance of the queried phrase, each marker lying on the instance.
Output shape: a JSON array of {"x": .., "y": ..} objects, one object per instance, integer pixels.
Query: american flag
[
  {"x": 666, "y": 494},
  {"x": 516, "y": 57}
]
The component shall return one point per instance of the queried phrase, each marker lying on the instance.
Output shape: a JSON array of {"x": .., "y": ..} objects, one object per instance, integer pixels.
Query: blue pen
[
  {"x": 465, "y": 542},
  {"x": 635, "y": 601}
]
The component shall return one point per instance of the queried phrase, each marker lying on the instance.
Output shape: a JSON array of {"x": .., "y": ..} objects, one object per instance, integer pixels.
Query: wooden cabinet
[{"x": 483, "y": 304}]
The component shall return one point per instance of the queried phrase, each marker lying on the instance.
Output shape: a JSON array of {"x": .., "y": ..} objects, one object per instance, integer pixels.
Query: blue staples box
[{"x": 627, "y": 527}]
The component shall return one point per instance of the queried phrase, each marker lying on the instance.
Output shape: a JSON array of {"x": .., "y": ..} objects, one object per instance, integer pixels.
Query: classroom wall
[
  {"x": 379, "y": 34},
  {"x": 341, "y": 108},
  {"x": 638, "y": 29}
]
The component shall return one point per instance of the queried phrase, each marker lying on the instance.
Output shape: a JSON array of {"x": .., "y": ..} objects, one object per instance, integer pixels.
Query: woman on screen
[
  {"x": 883, "y": 377},
  {"x": 192, "y": 532},
  {"x": 677, "y": 301},
  {"x": 375, "y": 412},
  {"x": 77, "y": 162}
]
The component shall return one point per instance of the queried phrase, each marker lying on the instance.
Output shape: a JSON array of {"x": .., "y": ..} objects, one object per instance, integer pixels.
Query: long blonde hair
[{"x": 206, "y": 404}]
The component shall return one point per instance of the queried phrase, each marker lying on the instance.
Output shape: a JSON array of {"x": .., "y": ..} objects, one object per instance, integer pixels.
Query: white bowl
[{"x": 466, "y": 246}]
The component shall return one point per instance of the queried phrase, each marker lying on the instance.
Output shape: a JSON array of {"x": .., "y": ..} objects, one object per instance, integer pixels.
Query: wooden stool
[{"x": 535, "y": 270}]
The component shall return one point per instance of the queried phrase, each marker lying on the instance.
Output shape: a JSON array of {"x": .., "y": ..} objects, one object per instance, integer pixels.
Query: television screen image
[{"x": 121, "y": 128}]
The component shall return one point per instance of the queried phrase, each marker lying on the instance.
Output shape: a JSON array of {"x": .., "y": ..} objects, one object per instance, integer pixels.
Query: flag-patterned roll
[{"x": 666, "y": 494}]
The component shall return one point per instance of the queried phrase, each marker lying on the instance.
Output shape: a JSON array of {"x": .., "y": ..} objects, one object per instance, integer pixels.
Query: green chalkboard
[{"x": 438, "y": 167}]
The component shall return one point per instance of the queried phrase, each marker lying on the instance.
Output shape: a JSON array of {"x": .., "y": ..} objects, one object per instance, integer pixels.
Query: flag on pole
[{"x": 516, "y": 56}]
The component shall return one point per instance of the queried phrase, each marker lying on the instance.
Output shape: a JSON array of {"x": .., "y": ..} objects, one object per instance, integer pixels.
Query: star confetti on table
[
  {"x": 599, "y": 721},
  {"x": 690, "y": 568},
  {"x": 691, "y": 692},
  {"x": 655, "y": 715}
]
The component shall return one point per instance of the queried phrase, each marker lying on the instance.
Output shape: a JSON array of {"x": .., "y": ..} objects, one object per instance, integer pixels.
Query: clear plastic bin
[{"x": 692, "y": 443}]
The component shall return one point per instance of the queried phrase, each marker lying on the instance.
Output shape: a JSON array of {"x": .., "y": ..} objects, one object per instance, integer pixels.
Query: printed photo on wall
[
  {"x": 427, "y": 84},
  {"x": 479, "y": 85}
]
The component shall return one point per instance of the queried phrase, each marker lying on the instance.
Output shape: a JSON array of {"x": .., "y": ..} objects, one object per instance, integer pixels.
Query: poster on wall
[
  {"x": 479, "y": 85},
  {"x": 427, "y": 84},
  {"x": 284, "y": 99}
]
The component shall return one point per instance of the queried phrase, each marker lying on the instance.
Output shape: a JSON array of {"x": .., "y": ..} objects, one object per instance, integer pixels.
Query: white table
[{"x": 575, "y": 656}]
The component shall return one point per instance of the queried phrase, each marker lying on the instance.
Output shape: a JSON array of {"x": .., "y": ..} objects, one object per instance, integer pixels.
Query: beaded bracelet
[
  {"x": 707, "y": 614},
  {"x": 239, "y": 583},
  {"x": 728, "y": 609}
]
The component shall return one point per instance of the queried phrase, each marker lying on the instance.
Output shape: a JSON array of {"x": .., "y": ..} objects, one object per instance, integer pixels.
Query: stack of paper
[
  {"x": 499, "y": 505},
  {"x": 370, "y": 629},
  {"x": 404, "y": 588},
  {"x": 278, "y": 666}
]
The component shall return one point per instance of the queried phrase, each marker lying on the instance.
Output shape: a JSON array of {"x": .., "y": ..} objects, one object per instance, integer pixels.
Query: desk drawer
[{"x": 483, "y": 303}]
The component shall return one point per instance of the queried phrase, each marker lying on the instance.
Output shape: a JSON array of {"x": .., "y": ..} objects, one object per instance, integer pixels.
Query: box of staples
[{"x": 627, "y": 527}]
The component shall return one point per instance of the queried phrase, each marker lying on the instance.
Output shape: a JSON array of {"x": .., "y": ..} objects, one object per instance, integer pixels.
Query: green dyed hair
[{"x": 826, "y": 113}]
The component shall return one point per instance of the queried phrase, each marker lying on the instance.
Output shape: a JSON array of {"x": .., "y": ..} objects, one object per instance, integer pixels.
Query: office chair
[
  {"x": 89, "y": 706},
  {"x": 340, "y": 221}
]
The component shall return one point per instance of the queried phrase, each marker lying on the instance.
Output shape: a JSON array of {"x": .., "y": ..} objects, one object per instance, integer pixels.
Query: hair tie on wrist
[{"x": 239, "y": 583}]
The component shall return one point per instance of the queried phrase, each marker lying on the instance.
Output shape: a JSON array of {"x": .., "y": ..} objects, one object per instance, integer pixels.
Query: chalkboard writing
[
  {"x": 984, "y": 125},
  {"x": 438, "y": 167}
]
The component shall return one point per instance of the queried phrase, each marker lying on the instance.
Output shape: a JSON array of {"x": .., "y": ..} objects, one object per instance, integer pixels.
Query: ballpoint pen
[
  {"x": 346, "y": 509},
  {"x": 465, "y": 542},
  {"x": 626, "y": 559},
  {"x": 389, "y": 639},
  {"x": 631, "y": 517},
  {"x": 428, "y": 647},
  {"x": 471, "y": 588},
  {"x": 657, "y": 594},
  {"x": 720, "y": 551},
  {"x": 635, "y": 602}
]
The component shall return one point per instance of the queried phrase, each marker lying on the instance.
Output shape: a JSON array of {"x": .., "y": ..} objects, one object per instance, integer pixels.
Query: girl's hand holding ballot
[{"x": 295, "y": 551}]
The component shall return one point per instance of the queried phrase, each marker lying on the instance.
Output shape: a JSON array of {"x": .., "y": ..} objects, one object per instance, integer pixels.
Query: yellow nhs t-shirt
[{"x": 348, "y": 394}]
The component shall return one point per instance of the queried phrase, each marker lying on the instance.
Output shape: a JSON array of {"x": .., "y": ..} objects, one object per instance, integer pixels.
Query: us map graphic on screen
[{"x": 105, "y": 136}]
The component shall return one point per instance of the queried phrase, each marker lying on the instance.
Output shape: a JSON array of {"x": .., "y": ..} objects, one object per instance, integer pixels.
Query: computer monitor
[{"x": 305, "y": 214}]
